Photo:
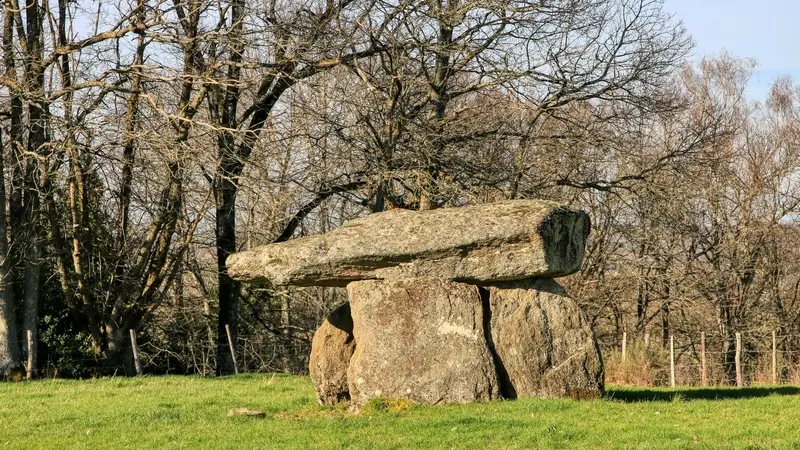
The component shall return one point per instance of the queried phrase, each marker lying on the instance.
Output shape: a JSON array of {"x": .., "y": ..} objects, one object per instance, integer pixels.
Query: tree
[
  {"x": 302, "y": 40},
  {"x": 468, "y": 95}
]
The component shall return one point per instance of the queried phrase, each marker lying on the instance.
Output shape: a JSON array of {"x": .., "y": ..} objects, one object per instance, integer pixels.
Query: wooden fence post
[
  {"x": 31, "y": 362},
  {"x": 136, "y": 361},
  {"x": 774, "y": 360},
  {"x": 703, "y": 372},
  {"x": 646, "y": 340},
  {"x": 233, "y": 350},
  {"x": 624, "y": 345},
  {"x": 671, "y": 361},
  {"x": 738, "y": 360}
]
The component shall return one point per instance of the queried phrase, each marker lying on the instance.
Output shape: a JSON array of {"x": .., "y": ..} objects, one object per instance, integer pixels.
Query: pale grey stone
[
  {"x": 420, "y": 339},
  {"x": 503, "y": 241},
  {"x": 543, "y": 342}
]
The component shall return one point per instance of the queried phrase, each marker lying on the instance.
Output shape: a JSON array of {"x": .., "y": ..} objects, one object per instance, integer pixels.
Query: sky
[{"x": 767, "y": 30}]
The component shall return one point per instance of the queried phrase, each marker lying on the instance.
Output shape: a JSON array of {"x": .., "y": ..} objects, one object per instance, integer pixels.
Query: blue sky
[{"x": 767, "y": 30}]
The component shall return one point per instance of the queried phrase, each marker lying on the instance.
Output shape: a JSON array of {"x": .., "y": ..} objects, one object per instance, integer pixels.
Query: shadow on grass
[{"x": 688, "y": 394}]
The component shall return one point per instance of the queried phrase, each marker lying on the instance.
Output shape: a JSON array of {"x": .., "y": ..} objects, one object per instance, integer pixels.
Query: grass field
[{"x": 191, "y": 412}]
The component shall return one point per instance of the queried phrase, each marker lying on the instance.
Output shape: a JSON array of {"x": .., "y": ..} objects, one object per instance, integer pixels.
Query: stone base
[
  {"x": 419, "y": 339},
  {"x": 331, "y": 349},
  {"x": 543, "y": 342},
  {"x": 434, "y": 341}
]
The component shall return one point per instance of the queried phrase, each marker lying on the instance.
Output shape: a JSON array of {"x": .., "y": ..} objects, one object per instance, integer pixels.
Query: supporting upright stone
[
  {"x": 420, "y": 339},
  {"x": 331, "y": 349},
  {"x": 543, "y": 342}
]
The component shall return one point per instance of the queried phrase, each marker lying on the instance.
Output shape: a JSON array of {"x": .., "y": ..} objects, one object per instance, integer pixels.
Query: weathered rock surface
[
  {"x": 510, "y": 240},
  {"x": 417, "y": 328},
  {"x": 331, "y": 349},
  {"x": 421, "y": 340},
  {"x": 543, "y": 342}
]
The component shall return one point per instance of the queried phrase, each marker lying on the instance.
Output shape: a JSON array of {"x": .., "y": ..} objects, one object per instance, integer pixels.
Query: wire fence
[
  {"x": 704, "y": 359},
  {"x": 739, "y": 359},
  {"x": 194, "y": 356}
]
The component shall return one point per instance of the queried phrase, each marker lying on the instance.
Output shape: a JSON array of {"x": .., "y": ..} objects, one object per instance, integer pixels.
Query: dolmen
[{"x": 453, "y": 305}]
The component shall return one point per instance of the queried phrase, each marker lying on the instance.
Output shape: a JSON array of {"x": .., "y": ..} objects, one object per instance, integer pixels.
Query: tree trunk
[
  {"x": 228, "y": 288},
  {"x": 37, "y": 115},
  {"x": 119, "y": 352},
  {"x": 9, "y": 348},
  {"x": 729, "y": 358},
  {"x": 438, "y": 94},
  {"x": 9, "y": 340},
  {"x": 30, "y": 321},
  {"x": 225, "y": 187}
]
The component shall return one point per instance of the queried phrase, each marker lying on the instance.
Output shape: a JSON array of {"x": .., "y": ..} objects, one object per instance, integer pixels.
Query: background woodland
[{"x": 143, "y": 141}]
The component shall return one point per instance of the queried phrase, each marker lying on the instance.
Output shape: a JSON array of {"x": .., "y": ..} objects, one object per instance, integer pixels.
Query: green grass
[{"x": 191, "y": 412}]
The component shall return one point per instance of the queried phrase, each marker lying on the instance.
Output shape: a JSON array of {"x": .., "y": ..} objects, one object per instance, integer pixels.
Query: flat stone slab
[{"x": 510, "y": 240}]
